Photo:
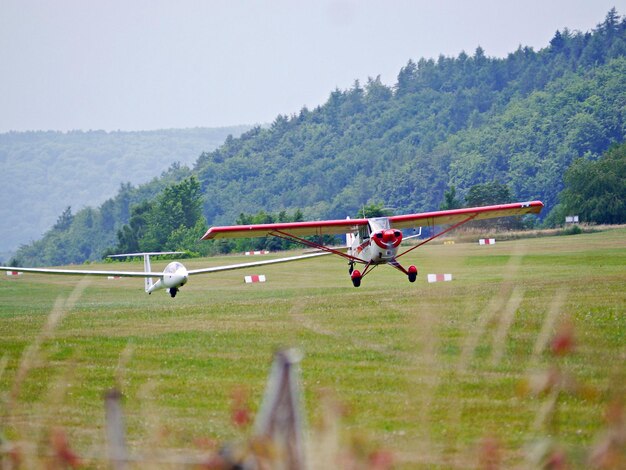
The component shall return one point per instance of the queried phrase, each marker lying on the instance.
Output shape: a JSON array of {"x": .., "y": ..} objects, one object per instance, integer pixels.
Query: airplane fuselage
[
  {"x": 373, "y": 244},
  {"x": 376, "y": 243}
]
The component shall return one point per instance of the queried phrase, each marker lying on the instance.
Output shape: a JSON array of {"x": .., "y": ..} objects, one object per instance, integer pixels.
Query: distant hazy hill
[{"x": 41, "y": 173}]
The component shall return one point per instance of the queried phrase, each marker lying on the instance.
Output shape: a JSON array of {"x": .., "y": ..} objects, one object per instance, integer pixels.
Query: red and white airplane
[{"x": 374, "y": 241}]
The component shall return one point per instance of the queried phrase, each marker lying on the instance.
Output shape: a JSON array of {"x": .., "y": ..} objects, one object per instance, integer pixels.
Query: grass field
[{"x": 433, "y": 373}]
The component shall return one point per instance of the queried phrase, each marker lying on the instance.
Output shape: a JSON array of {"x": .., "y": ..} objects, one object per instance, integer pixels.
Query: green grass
[{"x": 424, "y": 370}]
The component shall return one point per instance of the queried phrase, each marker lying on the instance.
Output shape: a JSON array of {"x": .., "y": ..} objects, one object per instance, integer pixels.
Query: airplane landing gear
[
  {"x": 173, "y": 291},
  {"x": 356, "y": 278},
  {"x": 412, "y": 273},
  {"x": 351, "y": 268}
]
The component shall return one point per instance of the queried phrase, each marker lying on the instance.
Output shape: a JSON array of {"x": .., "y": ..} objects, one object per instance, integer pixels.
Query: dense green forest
[
  {"x": 453, "y": 122},
  {"x": 45, "y": 172}
]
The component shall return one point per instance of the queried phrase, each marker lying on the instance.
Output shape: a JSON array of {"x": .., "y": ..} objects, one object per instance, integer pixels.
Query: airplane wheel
[
  {"x": 173, "y": 292},
  {"x": 356, "y": 278},
  {"x": 412, "y": 273}
]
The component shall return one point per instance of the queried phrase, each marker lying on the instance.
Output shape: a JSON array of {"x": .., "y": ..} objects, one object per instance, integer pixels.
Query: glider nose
[
  {"x": 182, "y": 275},
  {"x": 176, "y": 276}
]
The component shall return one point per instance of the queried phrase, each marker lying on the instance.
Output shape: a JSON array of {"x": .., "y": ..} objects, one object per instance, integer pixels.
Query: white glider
[{"x": 174, "y": 276}]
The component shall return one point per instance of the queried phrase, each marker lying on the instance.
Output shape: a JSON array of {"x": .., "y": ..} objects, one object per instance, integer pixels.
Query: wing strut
[
  {"x": 368, "y": 268},
  {"x": 438, "y": 234}
]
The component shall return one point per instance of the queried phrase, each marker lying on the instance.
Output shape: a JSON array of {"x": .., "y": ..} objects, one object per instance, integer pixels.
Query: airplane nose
[
  {"x": 389, "y": 238},
  {"x": 392, "y": 236}
]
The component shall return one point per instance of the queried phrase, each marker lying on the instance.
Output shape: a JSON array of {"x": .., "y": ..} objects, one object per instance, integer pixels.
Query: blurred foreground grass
[{"x": 430, "y": 372}]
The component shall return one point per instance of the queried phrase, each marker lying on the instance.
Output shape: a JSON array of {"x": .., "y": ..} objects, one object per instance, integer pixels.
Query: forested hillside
[
  {"x": 42, "y": 173},
  {"x": 455, "y": 122},
  {"x": 451, "y": 121}
]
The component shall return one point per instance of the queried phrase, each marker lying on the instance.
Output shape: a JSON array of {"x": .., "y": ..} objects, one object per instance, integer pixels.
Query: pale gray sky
[{"x": 153, "y": 64}]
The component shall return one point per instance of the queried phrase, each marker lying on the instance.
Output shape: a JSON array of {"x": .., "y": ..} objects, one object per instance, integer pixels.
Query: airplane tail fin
[
  {"x": 146, "y": 263},
  {"x": 146, "y": 268}
]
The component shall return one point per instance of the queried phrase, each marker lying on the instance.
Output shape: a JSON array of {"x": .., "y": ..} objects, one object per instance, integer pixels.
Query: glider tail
[
  {"x": 150, "y": 285},
  {"x": 146, "y": 268}
]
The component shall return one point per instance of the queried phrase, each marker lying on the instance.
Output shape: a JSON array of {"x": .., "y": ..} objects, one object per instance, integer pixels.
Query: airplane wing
[
  {"x": 458, "y": 216},
  {"x": 82, "y": 272},
  {"x": 335, "y": 227},
  {"x": 300, "y": 229}
]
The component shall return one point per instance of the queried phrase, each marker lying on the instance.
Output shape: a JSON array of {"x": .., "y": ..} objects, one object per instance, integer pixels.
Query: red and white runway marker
[
  {"x": 14, "y": 273},
  {"x": 254, "y": 278},
  {"x": 439, "y": 277},
  {"x": 487, "y": 241},
  {"x": 261, "y": 252}
]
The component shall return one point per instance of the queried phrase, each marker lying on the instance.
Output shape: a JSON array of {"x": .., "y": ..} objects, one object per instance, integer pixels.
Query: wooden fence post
[
  {"x": 116, "y": 435},
  {"x": 280, "y": 417}
]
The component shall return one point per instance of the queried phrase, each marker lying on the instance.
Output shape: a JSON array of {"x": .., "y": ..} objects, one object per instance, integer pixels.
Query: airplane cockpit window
[
  {"x": 379, "y": 223},
  {"x": 173, "y": 267}
]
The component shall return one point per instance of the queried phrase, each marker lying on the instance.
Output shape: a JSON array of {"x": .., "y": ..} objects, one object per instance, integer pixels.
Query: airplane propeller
[{"x": 389, "y": 238}]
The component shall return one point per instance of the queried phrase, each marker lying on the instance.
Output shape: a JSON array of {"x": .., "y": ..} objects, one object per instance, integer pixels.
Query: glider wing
[
  {"x": 85, "y": 272},
  {"x": 252, "y": 264},
  {"x": 82, "y": 272}
]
